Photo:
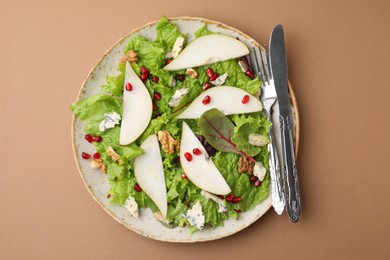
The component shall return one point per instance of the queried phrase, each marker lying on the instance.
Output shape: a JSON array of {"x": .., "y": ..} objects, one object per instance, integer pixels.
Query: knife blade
[{"x": 278, "y": 61}]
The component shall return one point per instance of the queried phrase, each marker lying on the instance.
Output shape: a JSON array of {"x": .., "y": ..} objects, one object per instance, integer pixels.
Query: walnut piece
[
  {"x": 114, "y": 155},
  {"x": 192, "y": 73},
  {"x": 98, "y": 164},
  {"x": 103, "y": 168},
  {"x": 168, "y": 144},
  {"x": 131, "y": 56},
  {"x": 245, "y": 165}
]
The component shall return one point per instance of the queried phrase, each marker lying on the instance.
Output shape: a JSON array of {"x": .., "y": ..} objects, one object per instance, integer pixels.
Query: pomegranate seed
[
  {"x": 128, "y": 86},
  {"x": 257, "y": 183},
  {"x": 85, "y": 156},
  {"x": 144, "y": 76},
  {"x": 206, "y": 86},
  {"x": 167, "y": 62},
  {"x": 137, "y": 187},
  {"x": 96, "y": 155},
  {"x": 250, "y": 74},
  {"x": 97, "y": 139},
  {"x": 155, "y": 79},
  {"x": 181, "y": 77},
  {"x": 184, "y": 176},
  {"x": 237, "y": 210},
  {"x": 157, "y": 96},
  {"x": 88, "y": 137},
  {"x": 229, "y": 198},
  {"x": 209, "y": 72},
  {"x": 206, "y": 100},
  {"x": 188, "y": 156},
  {"x": 214, "y": 76},
  {"x": 154, "y": 107},
  {"x": 253, "y": 178},
  {"x": 245, "y": 99},
  {"x": 196, "y": 151},
  {"x": 236, "y": 199},
  {"x": 144, "y": 70}
]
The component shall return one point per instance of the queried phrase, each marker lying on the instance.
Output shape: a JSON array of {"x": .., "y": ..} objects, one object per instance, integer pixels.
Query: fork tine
[
  {"x": 255, "y": 62},
  {"x": 268, "y": 65},
  {"x": 252, "y": 61},
  {"x": 259, "y": 62},
  {"x": 263, "y": 66}
]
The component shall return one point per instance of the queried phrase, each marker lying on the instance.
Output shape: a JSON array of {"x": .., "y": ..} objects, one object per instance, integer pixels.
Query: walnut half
[
  {"x": 114, "y": 155},
  {"x": 245, "y": 165},
  {"x": 98, "y": 164},
  {"x": 192, "y": 73},
  {"x": 131, "y": 56},
  {"x": 168, "y": 143}
]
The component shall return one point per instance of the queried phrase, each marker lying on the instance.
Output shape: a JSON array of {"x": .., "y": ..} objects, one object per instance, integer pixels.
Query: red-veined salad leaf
[{"x": 218, "y": 131}]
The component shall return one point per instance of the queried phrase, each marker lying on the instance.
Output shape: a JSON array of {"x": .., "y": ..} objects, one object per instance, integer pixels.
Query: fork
[{"x": 259, "y": 63}]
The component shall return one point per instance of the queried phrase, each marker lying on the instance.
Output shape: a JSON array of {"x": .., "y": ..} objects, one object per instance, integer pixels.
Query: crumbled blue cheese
[
  {"x": 221, "y": 203},
  {"x": 257, "y": 139},
  {"x": 195, "y": 216},
  {"x": 177, "y": 47},
  {"x": 243, "y": 65},
  {"x": 173, "y": 82},
  {"x": 179, "y": 94},
  {"x": 110, "y": 120},
  {"x": 220, "y": 80},
  {"x": 259, "y": 170},
  {"x": 132, "y": 206}
]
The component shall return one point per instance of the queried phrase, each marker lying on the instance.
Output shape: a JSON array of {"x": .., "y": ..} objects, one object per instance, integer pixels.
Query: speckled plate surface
[{"x": 97, "y": 183}]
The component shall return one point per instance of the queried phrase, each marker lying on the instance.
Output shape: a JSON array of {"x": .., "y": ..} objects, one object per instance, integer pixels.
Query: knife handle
[
  {"x": 291, "y": 185},
  {"x": 277, "y": 194}
]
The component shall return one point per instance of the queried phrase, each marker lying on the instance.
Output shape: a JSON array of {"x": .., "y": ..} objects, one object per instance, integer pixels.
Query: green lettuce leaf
[
  {"x": 202, "y": 31},
  {"x": 236, "y": 77},
  {"x": 163, "y": 122},
  {"x": 114, "y": 84},
  {"x": 246, "y": 125},
  {"x": 167, "y": 33},
  {"x": 241, "y": 137},
  {"x": 111, "y": 138},
  {"x": 92, "y": 109},
  {"x": 121, "y": 189},
  {"x": 175, "y": 213},
  {"x": 240, "y": 183},
  {"x": 150, "y": 55}
]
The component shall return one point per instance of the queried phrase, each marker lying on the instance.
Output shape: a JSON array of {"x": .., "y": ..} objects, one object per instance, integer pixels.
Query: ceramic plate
[{"x": 97, "y": 183}]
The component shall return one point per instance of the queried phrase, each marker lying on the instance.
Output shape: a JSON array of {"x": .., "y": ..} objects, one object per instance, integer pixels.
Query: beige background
[{"x": 338, "y": 55}]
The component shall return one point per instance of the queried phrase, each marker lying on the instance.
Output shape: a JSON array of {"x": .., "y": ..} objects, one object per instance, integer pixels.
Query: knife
[{"x": 278, "y": 60}]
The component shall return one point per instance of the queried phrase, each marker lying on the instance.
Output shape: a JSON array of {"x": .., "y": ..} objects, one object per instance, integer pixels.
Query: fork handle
[
  {"x": 277, "y": 194},
  {"x": 291, "y": 185}
]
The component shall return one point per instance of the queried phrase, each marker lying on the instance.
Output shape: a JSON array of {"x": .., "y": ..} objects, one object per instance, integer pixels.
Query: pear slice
[
  {"x": 229, "y": 100},
  {"x": 208, "y": 49},
  {"x": 149, "y": 172},
  {"x": 200, "y": 169},
  {"x": 137, "y": 108}
]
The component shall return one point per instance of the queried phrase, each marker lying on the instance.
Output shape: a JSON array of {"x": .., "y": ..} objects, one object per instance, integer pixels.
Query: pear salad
[{"x": 180, "y": 129}]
